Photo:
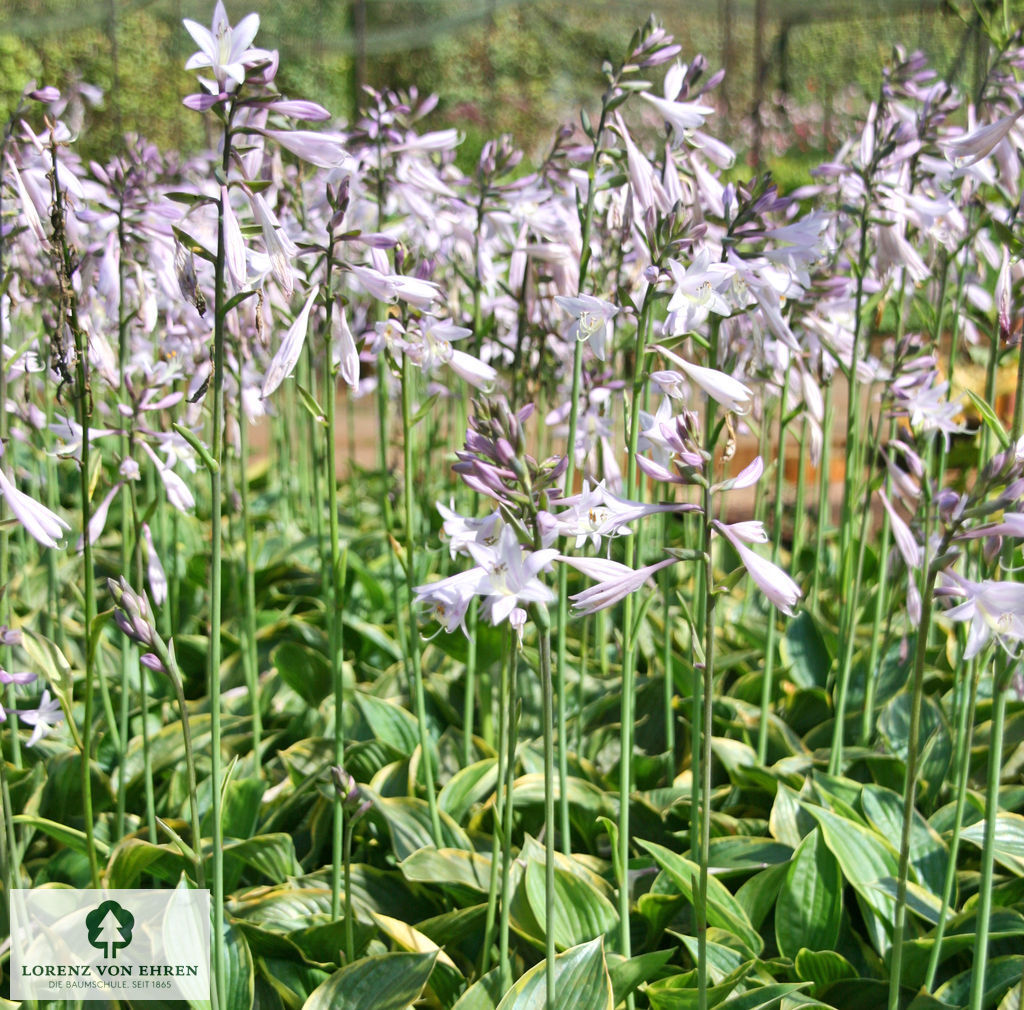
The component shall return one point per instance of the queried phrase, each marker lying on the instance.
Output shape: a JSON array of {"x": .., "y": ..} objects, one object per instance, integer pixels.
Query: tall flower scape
[{"x": 669, "y": 653}]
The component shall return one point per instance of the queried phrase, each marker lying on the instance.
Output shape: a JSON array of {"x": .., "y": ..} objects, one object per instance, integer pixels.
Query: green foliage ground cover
[{"x": 764, "y": 778}]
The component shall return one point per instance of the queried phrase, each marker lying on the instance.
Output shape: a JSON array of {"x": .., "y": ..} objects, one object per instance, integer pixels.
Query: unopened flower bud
[
  {"x": 991, "y": 548},
  {"x": 45, "y": 95},
  {"x": 506, "y": 454},
  {"x": 950, "y": 504},
  {"x": 348, "y": 792},
  {"x": 345, "y": 785},
  {"x": 152, "y": 662},
  {"x": 9, "y": 636},
  {"x": 132, "y": 614}
]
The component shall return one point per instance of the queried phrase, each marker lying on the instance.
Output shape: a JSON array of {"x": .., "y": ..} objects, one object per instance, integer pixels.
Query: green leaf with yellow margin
[
  {"x": 581, "y": 982},
  {"x": 380, "y": 982}
]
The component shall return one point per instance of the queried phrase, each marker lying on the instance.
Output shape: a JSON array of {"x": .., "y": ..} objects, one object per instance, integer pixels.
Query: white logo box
[{"x": 110, "y": 944}]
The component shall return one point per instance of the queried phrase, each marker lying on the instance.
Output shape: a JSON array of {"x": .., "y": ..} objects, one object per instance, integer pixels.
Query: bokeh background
[{"x": 796, "y": 69}]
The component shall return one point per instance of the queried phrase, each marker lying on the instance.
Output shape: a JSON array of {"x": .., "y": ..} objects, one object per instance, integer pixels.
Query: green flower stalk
[
  {"x": 80, "y": 381},
  {"x": 494, "y": 462},
  {"x": 411, "y": 542},
  {"x": 134, "y": 617},
  {"x": 347, "y": 793}
]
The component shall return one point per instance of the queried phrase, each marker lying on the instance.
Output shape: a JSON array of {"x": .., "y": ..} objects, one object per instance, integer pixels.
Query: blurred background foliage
[{"x": 522, "y": 67}]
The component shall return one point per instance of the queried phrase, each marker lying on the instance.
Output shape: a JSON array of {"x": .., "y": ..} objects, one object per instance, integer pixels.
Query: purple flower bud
[
  {"x": 202, "y": 102},
  {"x": 132, "y": 614},
  {"x": 524, "y": 413},
  {"x": 152, "y": 662},
  {"x": 660, "y": 56},
  {"x": 950, "y": 504},
  {"x": 556, "y": 465},
  {"x": 1014, "y": 491},
  {"x": 299, "y": 109},
  {"x": 45, "y": 95},
  {"x": 9, "y": 636},
  {"x": 348, "y": 792},
  {"x": 506, "y": 454}
]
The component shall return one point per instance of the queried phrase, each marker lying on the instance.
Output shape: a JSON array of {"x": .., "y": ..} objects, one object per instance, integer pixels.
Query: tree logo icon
[{"x": 110, "y": 927}]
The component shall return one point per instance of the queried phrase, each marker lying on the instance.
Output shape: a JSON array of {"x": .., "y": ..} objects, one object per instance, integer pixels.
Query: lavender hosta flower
[
  {"x": 925, "y": 402},
  {"x": 477, "y": 373},
  {"x": 724, "y": 389},
  {"x": 595, "y": 434},
  {"x": 995, "y": 610},
  {"x": 433, "y": 140},
  {"x": 615, "y": 581},
  {"x": 656, "y": 48},
  {"x": 979, "y": 143},
  {"x": 780, "y": 589},
  {"x": 510, "y": 575},
  {"x": 462, "y": 530},
  {"x": 388, "y": 335},
  {"x": 747, "y": 477},
  {"x": 896, "y": 253},
  {"x": 297, "y": 108},
  {"x": 234, "y": 244},
  {"x": 1011, "y": 525},
  {"x": 750, "y": 531},
  {"x": 651, "y": 438},
  {"x": 447, "y": 600},
  {"x": 98, "y": 520},
  {"x": 645, "y": 183},
  {"x": 280, "y": 248},
  {"x": 44, "y": 526},
  {"x": 677, "y": 441},
  {"x": 288, "y": 353},
  {"x": 177, "y": 490},
  {"x": 325, "y": 150},
  {"x": 431, "y": 347},
  {"x": 344, "y": 352},
  {"x": 395, "y": 287},
  {"x": 28, "y": 207},
  {"x": 905, "y": 479},
  {"x": 225, "y": 50},
  {"x": 596, "y": 513},
  {"x": 912, "y": 554},
  {"x": 593, "y": 321},
  {"x": 697, "y": 293},
  {"x": 22, "y": 677},
  {"x": 155, "y": 574},
  {"x": 683, "y": 117},
  {"x": 483, "y": 477},
  {"x": 43, "y": 718}
]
